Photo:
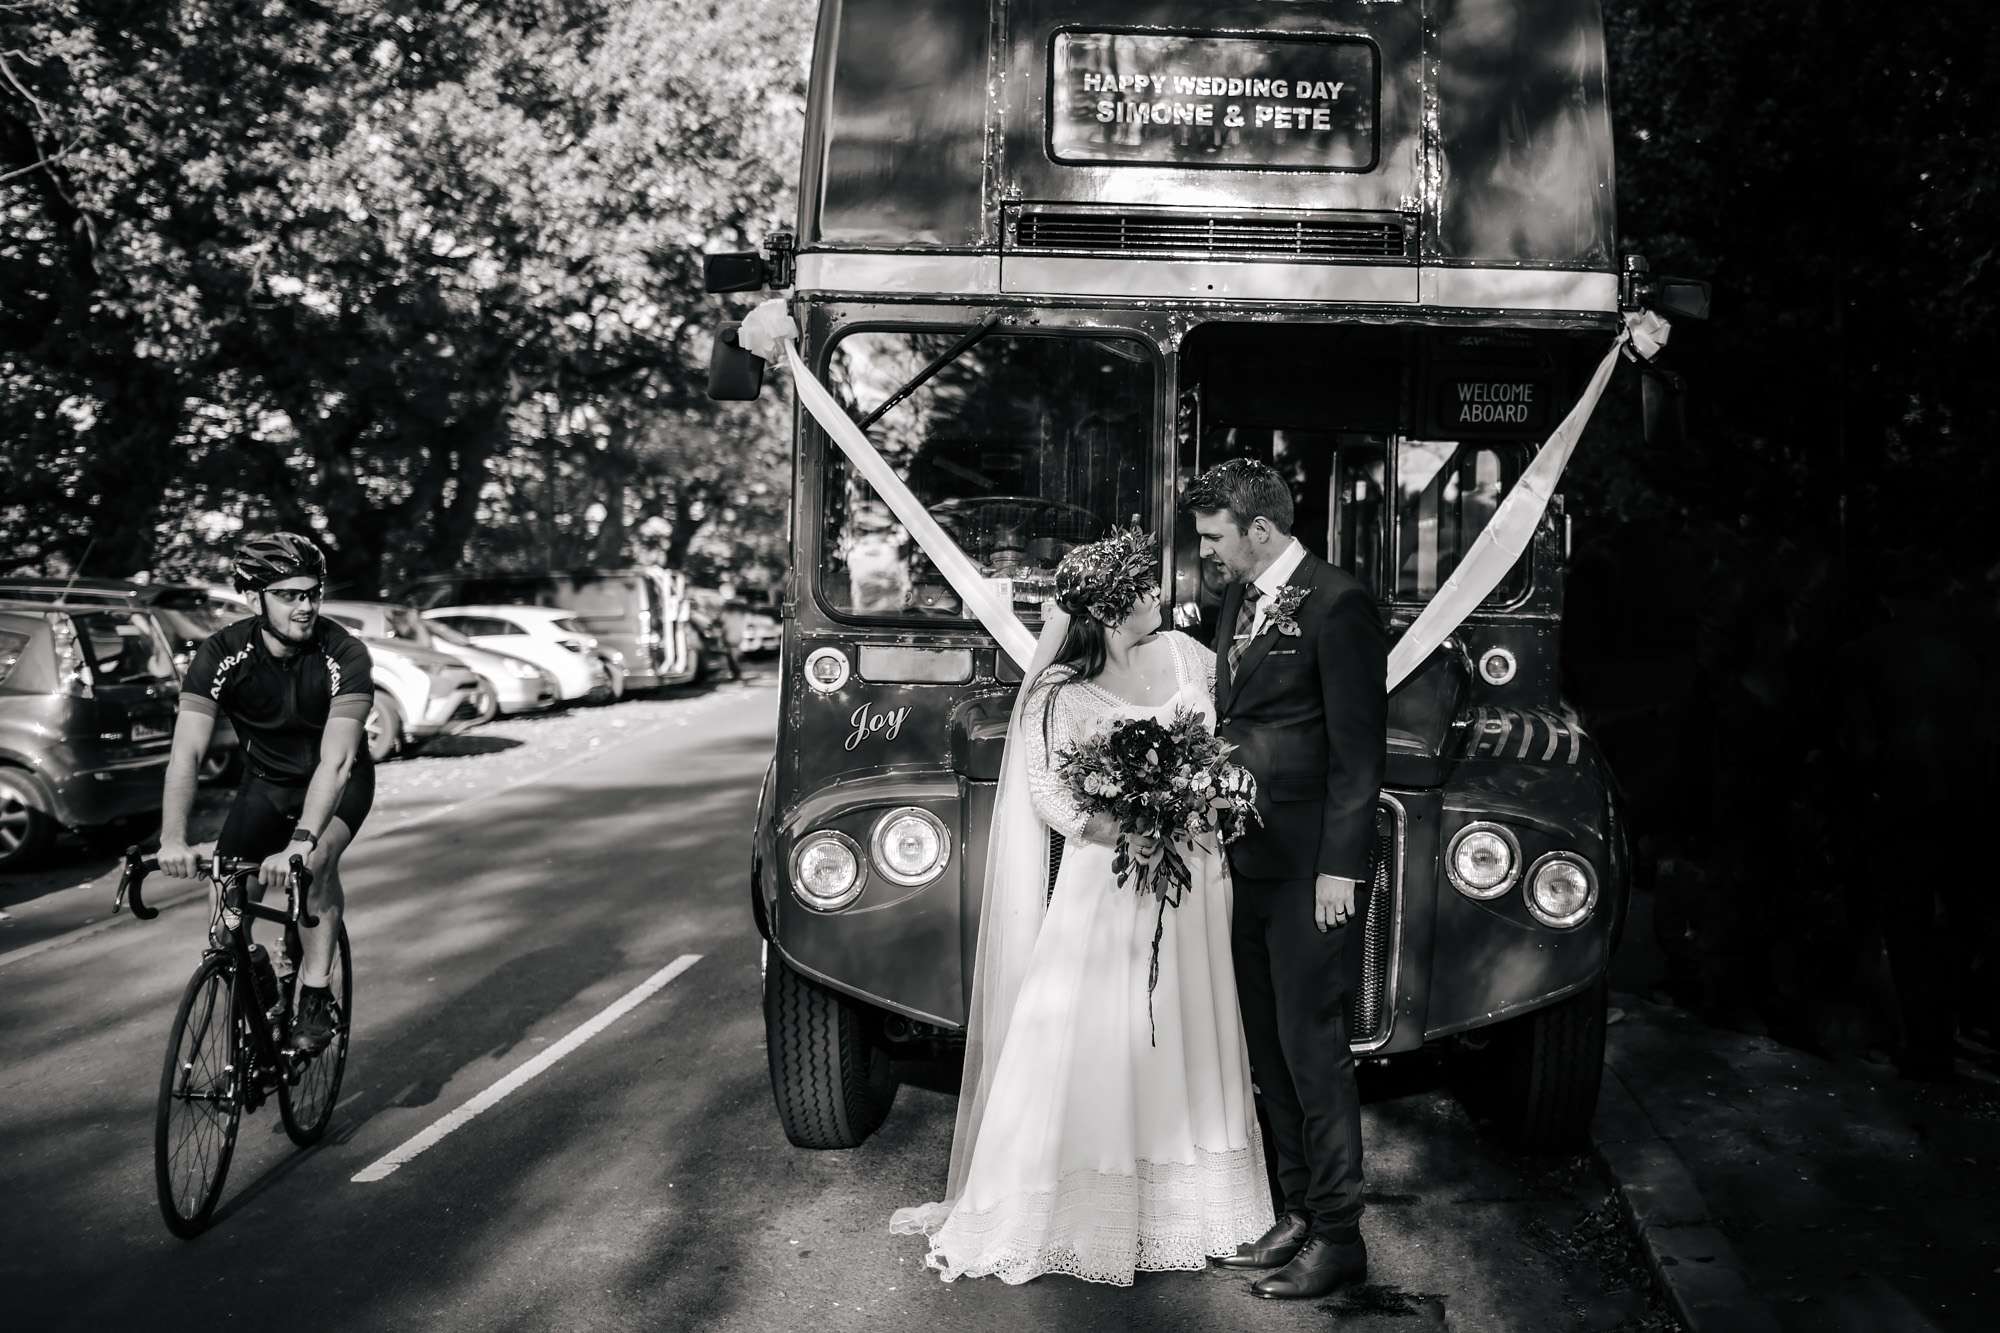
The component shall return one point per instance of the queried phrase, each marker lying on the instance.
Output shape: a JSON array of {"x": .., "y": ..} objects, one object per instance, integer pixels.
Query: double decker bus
[{"x": 1060, "y": 256}]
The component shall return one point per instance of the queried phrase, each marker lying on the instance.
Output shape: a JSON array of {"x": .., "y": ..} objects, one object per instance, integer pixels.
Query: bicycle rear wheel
[
  {"x": 306, "y": 1106},
  {"x": 201, "y": 1099}
]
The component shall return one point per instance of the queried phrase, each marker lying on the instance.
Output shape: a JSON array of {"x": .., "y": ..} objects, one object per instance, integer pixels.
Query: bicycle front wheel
[
  {"x": 306, "y": 1104},
  {"x": 201, "y": 1099}
]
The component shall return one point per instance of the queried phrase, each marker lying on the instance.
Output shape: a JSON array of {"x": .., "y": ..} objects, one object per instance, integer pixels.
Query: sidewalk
[{"x": 1773, "y": 1189}]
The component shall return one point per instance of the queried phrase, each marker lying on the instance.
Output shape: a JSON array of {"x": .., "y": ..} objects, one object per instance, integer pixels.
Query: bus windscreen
[{"x": 1259, "y": 103}]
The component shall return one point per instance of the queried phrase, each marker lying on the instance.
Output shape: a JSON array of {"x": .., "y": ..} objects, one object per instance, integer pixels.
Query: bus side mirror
[
  {"x": 1680, "y": 298},
  {"x": 1676, "y": 298},
  {"x": 734, "y": 271},
  {"x": 734, "y": 375}
]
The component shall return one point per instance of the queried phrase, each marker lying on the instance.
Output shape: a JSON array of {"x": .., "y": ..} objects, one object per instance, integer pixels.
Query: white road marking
[
  {"x": 93, "y": 927},
  {"x": 387, "y": 1165}
]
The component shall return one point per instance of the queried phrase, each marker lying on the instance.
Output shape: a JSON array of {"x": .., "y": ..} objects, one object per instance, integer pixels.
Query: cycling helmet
[{"x": 262, "y": 561}]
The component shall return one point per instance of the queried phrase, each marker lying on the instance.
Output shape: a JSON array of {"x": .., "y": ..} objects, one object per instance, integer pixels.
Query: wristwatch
[{"x": 306, "y": 835}]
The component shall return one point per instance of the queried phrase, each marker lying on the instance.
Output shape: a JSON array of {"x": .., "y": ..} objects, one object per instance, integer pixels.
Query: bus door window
[
  {"x": 1446, "y": 494},
  {"x": 1355, "y": 539}
]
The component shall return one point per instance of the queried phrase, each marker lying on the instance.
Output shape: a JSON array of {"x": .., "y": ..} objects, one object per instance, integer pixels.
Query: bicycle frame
[{"x": 234, "y": 879}]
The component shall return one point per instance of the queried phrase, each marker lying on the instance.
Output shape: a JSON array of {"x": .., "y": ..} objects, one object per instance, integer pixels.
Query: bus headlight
[
  {"x": 1562, "y": 890},
  {"x": 910, "y": 846},
  {"x": 826, "y": 870},
  {"x": 1484, "y": 861}
]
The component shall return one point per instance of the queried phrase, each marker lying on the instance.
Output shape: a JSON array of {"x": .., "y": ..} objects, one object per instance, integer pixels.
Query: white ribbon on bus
[{"x": 770, "y": 328}]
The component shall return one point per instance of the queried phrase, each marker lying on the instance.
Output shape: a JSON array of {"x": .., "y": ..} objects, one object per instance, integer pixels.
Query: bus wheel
[
  {"x": 833, "y": 1084},
  {"x": 1537, "y": 1078}
]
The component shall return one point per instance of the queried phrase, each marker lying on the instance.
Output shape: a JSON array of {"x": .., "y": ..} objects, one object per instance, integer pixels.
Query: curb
[{"x": 1696, "y": 1267}]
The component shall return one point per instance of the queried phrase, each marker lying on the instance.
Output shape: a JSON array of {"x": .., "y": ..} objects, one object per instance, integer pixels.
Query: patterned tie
[{"x": 1246, "y": 618}]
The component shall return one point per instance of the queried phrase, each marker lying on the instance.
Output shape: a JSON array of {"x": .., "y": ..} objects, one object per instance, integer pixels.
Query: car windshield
[
  {"x": 405, "y": 623},
  {"x": 123, "y": 649},
  {"x": 12, "y": 645},
  {"x": 609, "y": 599},
  {"x": 570, "y": 625},
  {"x": 1022, "y": 448},
  {"x": 187, "y": 626}
]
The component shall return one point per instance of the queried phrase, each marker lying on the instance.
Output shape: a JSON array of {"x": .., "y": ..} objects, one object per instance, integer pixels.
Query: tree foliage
[
  {"x": 366, "y": 269},
  {"x": 1742, "y": 606}
]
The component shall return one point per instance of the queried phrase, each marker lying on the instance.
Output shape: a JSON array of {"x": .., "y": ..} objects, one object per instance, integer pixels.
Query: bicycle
[{"x": 230, "y": 1046}]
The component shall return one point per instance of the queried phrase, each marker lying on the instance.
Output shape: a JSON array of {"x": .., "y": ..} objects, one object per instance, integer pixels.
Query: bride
[{"x": 1087, "y": 1142}]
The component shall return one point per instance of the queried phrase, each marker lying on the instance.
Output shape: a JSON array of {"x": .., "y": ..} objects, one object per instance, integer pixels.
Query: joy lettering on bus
[{"x": 870, "y": 722}]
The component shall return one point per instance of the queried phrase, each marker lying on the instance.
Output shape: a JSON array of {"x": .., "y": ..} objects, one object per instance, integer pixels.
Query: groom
[{"x": 1300, "y": 691}]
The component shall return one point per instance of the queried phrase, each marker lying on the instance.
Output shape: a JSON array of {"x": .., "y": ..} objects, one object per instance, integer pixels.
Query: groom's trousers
[{"x": 1291, "y": 980}]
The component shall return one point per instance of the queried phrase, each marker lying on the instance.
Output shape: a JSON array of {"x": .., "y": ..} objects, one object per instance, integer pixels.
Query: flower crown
[{"x": 1105, "y": 578}]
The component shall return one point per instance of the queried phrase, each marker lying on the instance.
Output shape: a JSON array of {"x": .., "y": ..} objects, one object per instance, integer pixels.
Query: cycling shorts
[{"x": 263, "y": 815}]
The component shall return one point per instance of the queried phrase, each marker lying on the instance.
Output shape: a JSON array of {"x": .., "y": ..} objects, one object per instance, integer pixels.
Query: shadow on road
[{"x": 464, "y": 746}]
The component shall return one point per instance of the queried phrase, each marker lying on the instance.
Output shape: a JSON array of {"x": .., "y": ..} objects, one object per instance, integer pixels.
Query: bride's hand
[
  {"x": 1145, "y": 846},
  {"x": 1102, "y": 829}
]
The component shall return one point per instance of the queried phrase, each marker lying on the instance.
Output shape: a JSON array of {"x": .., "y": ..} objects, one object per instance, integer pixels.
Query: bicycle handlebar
[{"x": 137, "y": 866}]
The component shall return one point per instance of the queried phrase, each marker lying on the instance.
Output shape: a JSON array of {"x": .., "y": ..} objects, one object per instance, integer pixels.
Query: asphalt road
[{"x": 509, "y": 890}]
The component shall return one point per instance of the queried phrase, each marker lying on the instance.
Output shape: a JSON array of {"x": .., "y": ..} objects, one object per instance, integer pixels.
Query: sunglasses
[{"x": 293, "y": 596}]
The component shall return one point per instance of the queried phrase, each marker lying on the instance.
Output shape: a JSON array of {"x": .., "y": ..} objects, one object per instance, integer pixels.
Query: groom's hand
[{"x": 1333, "y": 902}]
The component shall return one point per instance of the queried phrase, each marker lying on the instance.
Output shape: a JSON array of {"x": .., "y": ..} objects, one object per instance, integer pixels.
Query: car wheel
[
  {"x": 25, "y": 828},
  {"x": 833, "y": 1082},
  {"x": 1539, "y": 1075},
  {"x": 383, "y": 730},
  {"x": 220, "y": 766}
]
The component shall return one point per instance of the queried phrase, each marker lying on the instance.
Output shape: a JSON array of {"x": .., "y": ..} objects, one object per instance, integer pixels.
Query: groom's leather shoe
[
  {"x": 1318, "y": 1268},
  {"x": 1273, "y": 1249}
]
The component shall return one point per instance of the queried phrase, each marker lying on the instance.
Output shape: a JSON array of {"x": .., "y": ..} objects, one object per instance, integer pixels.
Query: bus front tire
[
  {"x": 1538, "y": 1076},
  {"x": 832, "y": 1082}
]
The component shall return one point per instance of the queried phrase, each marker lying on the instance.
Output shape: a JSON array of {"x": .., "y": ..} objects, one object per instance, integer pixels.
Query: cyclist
[{"x": 298, "y": 689}]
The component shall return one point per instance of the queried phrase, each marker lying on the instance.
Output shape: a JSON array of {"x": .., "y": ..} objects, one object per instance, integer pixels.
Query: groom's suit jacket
[{"x": 1308, "y": 716}]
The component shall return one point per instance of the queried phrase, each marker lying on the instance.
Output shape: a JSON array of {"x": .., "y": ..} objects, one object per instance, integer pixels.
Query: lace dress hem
[{"x": 1105, "y": 1226}]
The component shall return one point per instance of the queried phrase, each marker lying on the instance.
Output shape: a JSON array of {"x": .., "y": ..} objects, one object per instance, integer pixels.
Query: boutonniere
[{"x": 1284, "y": 612}]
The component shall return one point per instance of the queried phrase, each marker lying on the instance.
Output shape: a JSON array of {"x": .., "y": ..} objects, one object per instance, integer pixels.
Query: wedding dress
[{"x": 1090, "y": 1141}]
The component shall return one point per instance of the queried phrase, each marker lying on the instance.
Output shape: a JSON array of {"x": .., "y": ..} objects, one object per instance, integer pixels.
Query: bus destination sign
[
  {"x": 1162, "y": 99},
  {"x": 1487, "y": 405}
]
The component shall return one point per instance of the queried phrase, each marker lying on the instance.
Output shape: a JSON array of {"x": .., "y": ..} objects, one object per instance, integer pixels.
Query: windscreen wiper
[{"x": 944, "y": 358}]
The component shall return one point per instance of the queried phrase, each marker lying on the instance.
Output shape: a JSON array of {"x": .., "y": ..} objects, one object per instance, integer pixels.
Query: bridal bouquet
[{"x": 1171, "y": 781}]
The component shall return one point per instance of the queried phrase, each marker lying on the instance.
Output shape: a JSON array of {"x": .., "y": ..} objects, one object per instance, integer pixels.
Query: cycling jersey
[{"x": 281, "y": 705}]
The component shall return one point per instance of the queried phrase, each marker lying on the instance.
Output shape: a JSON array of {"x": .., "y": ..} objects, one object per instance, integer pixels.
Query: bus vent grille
[{"x": 1320, "y": 236}]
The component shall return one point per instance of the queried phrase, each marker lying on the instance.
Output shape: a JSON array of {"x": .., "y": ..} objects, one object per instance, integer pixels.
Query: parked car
[
  {"x": 419, "y": 693},
  {"x": 514, "y": 684},
  {"x": 506, "y": 684},
  {"x": 87, "y": 700},
  {"x": 762, "y": 633},
  {"x": 547, "y": 636},
  {"x": 638, "y": 615},
  {"x": 719, "y": 630},
  {"x": 185, "y": 614},
  {"x": 378, "y": 620}
]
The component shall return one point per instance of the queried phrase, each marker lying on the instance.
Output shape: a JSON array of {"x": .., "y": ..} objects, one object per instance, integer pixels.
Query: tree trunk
[
  {"x": 686, "y": 525},
  {"x": 611, "y": 536}
]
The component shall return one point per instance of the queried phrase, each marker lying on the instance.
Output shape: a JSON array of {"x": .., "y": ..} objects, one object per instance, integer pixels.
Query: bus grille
[
  {"x": 1368, "y": 1005},
  {"x": 1318, "y": 236}
]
